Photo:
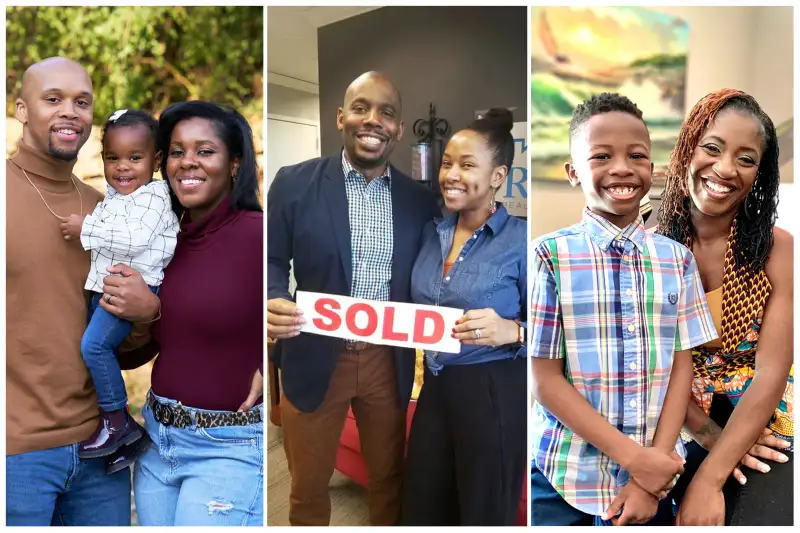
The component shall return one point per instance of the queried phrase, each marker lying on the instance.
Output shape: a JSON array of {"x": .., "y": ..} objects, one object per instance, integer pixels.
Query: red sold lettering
[
  {"x": 388, "y": 327},
  {"x": 372, "y": 320},
  {"x": 326, "y": 308},
  {"x": 419, "y": 327}
]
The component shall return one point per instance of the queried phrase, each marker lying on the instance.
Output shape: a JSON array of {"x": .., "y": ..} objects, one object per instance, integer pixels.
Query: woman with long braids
[{"x": 720, "y": 201}]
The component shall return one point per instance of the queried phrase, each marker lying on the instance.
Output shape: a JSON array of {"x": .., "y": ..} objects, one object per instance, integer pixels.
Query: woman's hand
[
  {"x": 765, "y": 448},
  {"x": 709, "y": 433},
  {"x": 485, "y": 327},
  {"x": 256, "y": 391},
  {"x": 130, "y": 297},
  {"x": 703, "y": 504}
]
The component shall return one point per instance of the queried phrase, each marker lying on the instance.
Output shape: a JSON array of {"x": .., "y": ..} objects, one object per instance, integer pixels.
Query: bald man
[
  {"x": 51, "y": 403},
  {"x": 351, "y": 225}
]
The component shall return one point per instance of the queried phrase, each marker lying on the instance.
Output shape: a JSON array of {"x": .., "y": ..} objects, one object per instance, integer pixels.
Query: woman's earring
[
  {"x": 750, "y": 210},
  {"x": 751, "y": 202},
  {"x": 492, "y": 205}
]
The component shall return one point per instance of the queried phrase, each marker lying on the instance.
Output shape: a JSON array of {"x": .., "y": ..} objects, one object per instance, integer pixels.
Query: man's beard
[{"x": 64, "y": 155}]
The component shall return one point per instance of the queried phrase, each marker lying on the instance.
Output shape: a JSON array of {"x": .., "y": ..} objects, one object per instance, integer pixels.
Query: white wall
[
  {"x": 773, "y": 78},
  {"x": 748, "y": 48},
  {"x": 721, "y": 41},
  {"x": 287, "y": 102},
  {"x": 292, "y": 103},
  {"x": 773, "y": 57}
]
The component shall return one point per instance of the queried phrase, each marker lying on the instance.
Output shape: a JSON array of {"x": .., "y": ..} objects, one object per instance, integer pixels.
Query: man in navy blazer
[{"x": 351, "y": 225}]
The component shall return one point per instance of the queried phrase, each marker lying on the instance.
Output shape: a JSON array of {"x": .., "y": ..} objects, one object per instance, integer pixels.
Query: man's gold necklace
[{"x": 80, "y": 196}]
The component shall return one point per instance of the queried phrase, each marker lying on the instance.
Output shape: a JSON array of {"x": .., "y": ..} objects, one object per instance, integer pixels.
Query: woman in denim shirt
[{"x": 467, "y": 450}]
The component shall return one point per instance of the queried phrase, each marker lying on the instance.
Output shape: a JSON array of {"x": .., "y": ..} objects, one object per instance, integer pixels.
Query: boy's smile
[
  {"x": 622, "y": 191},
  {"x": 611, "y": 162}
]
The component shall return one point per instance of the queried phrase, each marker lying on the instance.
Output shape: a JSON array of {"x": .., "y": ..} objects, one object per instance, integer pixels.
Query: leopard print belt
[{"x": 181, "y": 417}]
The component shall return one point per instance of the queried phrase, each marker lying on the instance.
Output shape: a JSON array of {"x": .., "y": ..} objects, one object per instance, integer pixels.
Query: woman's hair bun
[
  {"x": 501, "y": 118},
  {"x": 495, "y": 126}
]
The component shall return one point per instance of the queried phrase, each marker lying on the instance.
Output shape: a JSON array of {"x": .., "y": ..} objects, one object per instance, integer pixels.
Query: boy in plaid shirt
[
  {"x": 615, "y": 312},
  {"x": 135, "y": 226}
]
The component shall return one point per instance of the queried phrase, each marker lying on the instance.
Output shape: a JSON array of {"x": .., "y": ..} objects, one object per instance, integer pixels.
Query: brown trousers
[{"x": 366, "y": 381}]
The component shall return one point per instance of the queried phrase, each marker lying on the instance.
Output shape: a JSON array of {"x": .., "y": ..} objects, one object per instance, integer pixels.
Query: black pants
[
  {"x": 467, "y": 450},
  {"x": 765, "y": 500}
]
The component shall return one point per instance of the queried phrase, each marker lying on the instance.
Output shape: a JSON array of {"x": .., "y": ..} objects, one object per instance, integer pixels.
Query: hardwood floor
[{"x": 348, "y": 499}]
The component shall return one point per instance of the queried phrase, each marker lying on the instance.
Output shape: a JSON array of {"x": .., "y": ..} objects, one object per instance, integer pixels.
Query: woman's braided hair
[{"x": 757, "y": 213}]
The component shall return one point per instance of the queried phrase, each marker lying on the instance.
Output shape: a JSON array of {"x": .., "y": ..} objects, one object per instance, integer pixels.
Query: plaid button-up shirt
[
  {"x": 369, "y": 207},
  {"x": 616, "y": 304},
  {"x": 139, "y": 229}
]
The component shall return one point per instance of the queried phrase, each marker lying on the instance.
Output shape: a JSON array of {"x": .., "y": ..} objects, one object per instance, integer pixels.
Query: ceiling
[{"x": 292, "y": 41}]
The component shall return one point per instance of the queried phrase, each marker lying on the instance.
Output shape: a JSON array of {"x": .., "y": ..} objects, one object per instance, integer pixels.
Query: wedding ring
[
  {"x": 478, "y": 333},
  {"x": 108, "y": 299}
]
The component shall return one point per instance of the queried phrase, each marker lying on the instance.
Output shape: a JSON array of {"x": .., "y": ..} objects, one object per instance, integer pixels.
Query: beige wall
[{"x": 748, "y": 48}]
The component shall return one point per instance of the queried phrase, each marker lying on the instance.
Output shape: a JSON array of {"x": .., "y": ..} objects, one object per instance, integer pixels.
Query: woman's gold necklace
[{"x": 80, "y": 196}]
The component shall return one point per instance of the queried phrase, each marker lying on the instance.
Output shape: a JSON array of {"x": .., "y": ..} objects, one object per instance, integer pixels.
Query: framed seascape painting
[{"x": 580, "y": 51}]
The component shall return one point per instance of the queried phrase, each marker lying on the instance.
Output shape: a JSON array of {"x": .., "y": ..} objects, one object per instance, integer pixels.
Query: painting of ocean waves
[{"x": 580, "y": 51}]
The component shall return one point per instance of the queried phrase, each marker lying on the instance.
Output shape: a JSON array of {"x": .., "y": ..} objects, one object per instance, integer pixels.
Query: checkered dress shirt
[
  {"x": 138, "y": 229},
  {"x": 616, "y": 304},
  {"x": 369, "y": 207}
]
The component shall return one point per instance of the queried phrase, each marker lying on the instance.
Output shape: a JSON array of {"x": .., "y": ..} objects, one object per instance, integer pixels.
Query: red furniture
[{"x": 350, "y": 463}]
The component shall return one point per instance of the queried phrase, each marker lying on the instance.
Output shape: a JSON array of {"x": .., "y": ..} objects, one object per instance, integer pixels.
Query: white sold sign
[{"x": 389, "y": 323}]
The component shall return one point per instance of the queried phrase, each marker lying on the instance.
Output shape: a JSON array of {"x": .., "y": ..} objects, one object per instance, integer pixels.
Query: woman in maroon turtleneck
[{"x": 204, "y": 410}]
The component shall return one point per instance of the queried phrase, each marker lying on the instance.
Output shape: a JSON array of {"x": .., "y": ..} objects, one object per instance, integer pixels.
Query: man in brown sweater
[{"x": 50, "y": 401}]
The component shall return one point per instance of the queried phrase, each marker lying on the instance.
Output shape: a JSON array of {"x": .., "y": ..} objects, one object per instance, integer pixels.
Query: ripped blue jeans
[{"x": 200, "y": 476}]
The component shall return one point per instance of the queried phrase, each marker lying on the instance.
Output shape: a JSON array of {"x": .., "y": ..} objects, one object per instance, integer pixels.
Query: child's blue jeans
[
  {"x": 548, "y": 508},
  {"x": 101, "y": 339}
]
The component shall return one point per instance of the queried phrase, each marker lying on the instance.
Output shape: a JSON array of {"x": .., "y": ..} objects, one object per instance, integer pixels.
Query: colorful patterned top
[
  {"x": 617, "y": 305},
  {"x": 727, "y": 367}
]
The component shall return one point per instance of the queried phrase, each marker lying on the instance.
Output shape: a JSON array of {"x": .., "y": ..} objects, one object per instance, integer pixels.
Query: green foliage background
[{"x": 145, "y": 57}]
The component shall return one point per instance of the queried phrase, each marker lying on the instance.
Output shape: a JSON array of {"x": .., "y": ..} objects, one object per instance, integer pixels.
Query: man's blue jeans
[{"x": 55, "y": 488}]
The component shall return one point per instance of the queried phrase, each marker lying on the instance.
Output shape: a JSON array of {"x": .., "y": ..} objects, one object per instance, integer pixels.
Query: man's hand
[
  {"x": 638, "y": 506},
  {"x": 654, "y": 470},
  {"x": 284, "y": 319},
  {"x": 703, "y": 504},
  {"x": 256, "y": 391},
  {"x": 130, "y": 297},
  {"x": 71, "y": 227}
]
